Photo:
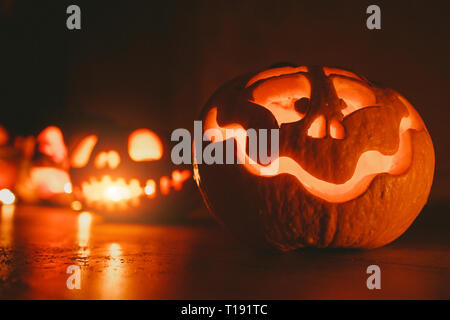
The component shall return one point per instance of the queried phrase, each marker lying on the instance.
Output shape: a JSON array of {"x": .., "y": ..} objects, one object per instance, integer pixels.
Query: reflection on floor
[{"x": 201, "y": 260}]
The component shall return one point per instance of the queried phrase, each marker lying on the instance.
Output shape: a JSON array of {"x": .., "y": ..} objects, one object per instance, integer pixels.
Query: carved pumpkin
[
  {"x": 127, "y": 174},
  {"x": 355, "y": 163},
  {"x": 44, "y": 168}
]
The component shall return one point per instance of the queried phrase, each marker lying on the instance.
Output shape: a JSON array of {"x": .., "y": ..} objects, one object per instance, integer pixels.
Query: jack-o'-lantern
[
  {"x": 127, "y": 175},
  {"x": 354, "y": 168},
  {"x": 44, "y": 168}
]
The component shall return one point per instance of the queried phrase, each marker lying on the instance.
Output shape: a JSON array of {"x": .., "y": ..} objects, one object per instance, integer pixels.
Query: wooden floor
[{"x": 202, "y": 261}]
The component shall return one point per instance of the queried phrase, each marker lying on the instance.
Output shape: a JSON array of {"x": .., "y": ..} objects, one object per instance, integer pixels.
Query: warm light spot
[
  {"x": 49, "y": 181},
  {"x": 84, "y": 228},
  {"x": 278, "y": 95},
  {"x": 337, "y": 130},
  {"x": 8, "y": 212},
  {"x": 116, "y": 193},
  {"x": 113, "y": 159},
  {"x": 369, "y": 165},
  {"x": 115, "y": 250},
  {"x": 76, "y": 205},
  {"x": 150, "y": 188},
  {"x": 68, "y": 188},
  {"x": 4, "y": 136},
  {"x": 144, "y": 145},
  {"x": 7, "y": 197},
  {"x": 328, "y": 71},
  {"x": 164, "y": 185},
  {"x": 80, "y": 156},
  {"x": 9, "y": 171},
  {"x": 101, "y": 160},
  {"x": 355, "y": 94},
  {"x": 317, "y": 129},
  {"x": 114, "y": 283},
  {"x": 110, "y": 159},
  {"x": 51, "y": 143},
  {"x": 112, "y": 194},
  {"x": 275, "y": 72},
  {"x": 179, "y": 177},
  {"x": 6, "y": 225}
]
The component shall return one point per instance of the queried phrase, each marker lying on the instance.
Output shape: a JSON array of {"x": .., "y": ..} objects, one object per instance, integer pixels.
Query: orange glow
[
  {"x": 51, "y": 143},
  {"x": 317, "y": 129},
  {"x": 328, "y": 71},
  {"x": 164, "y": 185},
  {"x": 4, "y": 136},
  {"x": 7, "y": 197},
  {"x": 179, "y": 177},
  {"x": 337, "y": 131},
  {"x": 150, "y": 188},
  {"x": 112, "y": 194},
  {"x": 278, "y": 95},
  {"x": 113, "y": 284},
  {"x": 369, "y": 165},
  {"x": 76, "y": 205},
  {"x": 115, "y": 250},
  {"x": 80, "y": 156},
  {"x": 68, "y": 188},
  {"x": 8, "y": 174},
  {"x": 355, "y": 94},
  {"x": 84, "y": 228},
  {"x": 144, "y": 145},
  {"x": 275, "y": 72},
  {"x": 49, "y": 181},
  {"x": 6, "y": 226},
  {"x": 110, "y": 159}
]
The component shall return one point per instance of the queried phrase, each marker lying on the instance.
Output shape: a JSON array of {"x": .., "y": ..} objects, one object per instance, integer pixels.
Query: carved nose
[{"x": 318, "y": 128}]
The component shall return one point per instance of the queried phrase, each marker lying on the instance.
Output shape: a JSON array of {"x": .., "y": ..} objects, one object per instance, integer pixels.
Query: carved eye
[
  {"x": 355, "y": 94},
  {"x": 279, "y": 95},
  {"x": 144, "y": 145},
  {"x": 80, "y": 156},
  {"x": 110, "y": 159}
]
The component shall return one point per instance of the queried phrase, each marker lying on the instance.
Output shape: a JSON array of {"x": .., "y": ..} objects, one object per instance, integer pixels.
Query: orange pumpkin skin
[{"x": 281, "y": 211}]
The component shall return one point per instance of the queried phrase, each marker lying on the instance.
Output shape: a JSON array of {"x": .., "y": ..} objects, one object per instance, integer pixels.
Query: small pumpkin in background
[
  {"x": 355, "y": 163},
  {"x": 127, "y": 174},
  {"x": 44, "y": 173}
]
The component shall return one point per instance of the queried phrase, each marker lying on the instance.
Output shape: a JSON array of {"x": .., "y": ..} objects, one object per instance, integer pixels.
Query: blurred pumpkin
[
  {"x": 355, "y": 163},
  {"x": 44, "y": 171},
  {"x": 127, "y": 175}
]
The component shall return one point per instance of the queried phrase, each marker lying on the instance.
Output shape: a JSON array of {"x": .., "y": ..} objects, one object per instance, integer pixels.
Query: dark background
[{"x": 155, "y": 63}]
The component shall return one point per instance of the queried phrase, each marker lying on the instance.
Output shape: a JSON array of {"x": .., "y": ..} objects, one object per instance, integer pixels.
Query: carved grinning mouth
[
  {"x": 118, "y": 194},
  {"x": 370, "y": 163},
  {"x": 111, "y": 194}
]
